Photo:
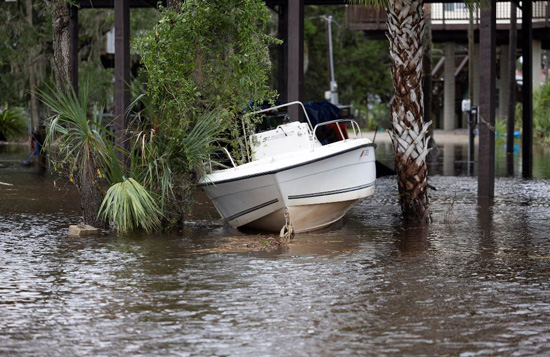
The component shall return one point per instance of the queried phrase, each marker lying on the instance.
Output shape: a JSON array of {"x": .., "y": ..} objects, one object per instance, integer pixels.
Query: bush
[
  {"x": 541, "y": 113},
  {"x": 209, "y": 54},
  {"x": 13, "y": 123},
  {"x": 541, "y": 125},
  {"x": 500, "y": 128},
  {"x": 204, "y": 65}
]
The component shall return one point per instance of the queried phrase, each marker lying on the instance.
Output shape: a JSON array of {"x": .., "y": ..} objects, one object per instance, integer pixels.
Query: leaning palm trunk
[{"x": 408, "y": 130}]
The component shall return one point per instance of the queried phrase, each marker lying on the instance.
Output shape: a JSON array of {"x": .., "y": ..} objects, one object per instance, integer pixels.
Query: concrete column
[
  {"x": 475, "y": 68},
  {"x": 503, "y": 83},
  {"x": 449, "y": 120},
  {"x": 537, "y": 64}
]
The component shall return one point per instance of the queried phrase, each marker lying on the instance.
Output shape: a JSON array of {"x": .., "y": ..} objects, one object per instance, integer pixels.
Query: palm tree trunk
[
  {"x": 91, "y": 195},
  {"x": 409, "y": 131}
]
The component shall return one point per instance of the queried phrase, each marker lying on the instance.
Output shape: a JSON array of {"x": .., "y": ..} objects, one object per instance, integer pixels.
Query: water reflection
[
  {"x": 411, "y": 240},
  {"x": 451, "y": 159},
  {"x": 485, "y": 222}
]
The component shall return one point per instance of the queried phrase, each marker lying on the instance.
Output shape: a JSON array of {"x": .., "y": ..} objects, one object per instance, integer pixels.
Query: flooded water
[
  {"x": 475, "y": 282},
  {"x": 452, "y": 160}
]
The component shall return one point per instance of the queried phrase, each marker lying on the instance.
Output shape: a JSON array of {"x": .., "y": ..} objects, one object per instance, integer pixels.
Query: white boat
[{"x": 292, "y": 179}]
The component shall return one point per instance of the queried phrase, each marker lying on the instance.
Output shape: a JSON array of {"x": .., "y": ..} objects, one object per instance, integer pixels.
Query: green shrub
[
  {"x": 541, "y": 125},
  {"x": 209, "y": 54},
  {"x": 13, "y": 122},
  {"x": 204, "y": 65},
  {"x": 500, "y": 128},
  {"x": 541, "y": 113}
]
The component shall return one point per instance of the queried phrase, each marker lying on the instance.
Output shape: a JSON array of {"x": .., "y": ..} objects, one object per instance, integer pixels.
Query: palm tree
[
  {"x": 408, "y": 129},
  {"x": 76, "y": 143},
  {"x": 82, "y": 149}
]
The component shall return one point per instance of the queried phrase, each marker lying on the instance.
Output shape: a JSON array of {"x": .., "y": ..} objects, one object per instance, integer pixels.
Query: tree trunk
[
  {"x": 90, "y": 195},
  {"x": 85, "y": 179},
  {"x": 61, "y": 44},
  {"x": 32, "y": 74},
  {"x": 408, "y": 132}
]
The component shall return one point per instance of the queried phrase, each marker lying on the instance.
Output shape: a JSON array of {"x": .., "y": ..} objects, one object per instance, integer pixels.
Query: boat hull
[
  {"x": 304, "y": 218},
  {"x": 317, "y": 187}
]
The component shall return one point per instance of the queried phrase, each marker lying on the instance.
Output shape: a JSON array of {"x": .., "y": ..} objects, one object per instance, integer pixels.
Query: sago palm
[{"x": 408, "y": 129}]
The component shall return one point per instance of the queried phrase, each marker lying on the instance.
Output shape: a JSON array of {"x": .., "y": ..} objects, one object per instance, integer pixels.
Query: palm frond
[
  {"x": 197, "y": 145},
  {"x": 129, "y": 206},
  {"x": 13, "y": 122},
  {"x": 165, "y": 164},
  {"x": 82, "y": 139}
]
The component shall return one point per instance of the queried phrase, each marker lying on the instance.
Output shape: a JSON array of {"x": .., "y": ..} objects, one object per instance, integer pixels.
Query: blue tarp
[{"x": 320, "y": 112}]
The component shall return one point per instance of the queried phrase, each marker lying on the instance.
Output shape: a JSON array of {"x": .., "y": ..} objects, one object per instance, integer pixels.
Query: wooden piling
[
  {"x": 122, "y": 72},
  {"x": 487, "y": 55},
  {"x": 295, "y": 56},
  {"x": 512, "y": 94},
  {"x": 527, "y": 90},
  {"x": 282, "y": 53}
]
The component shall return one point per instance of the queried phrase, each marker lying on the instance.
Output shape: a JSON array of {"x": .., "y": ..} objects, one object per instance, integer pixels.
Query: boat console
[{"x": 285, "y": 138}]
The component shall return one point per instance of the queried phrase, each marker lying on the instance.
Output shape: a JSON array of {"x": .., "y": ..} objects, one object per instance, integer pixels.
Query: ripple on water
[{"x": 371, "y": 285}]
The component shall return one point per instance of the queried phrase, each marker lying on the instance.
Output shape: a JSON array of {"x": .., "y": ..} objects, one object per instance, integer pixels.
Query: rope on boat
[{"x": 287, "y": 232}]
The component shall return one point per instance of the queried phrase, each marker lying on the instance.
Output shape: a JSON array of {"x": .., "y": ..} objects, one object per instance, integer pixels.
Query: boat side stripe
[
  {"x": 255, "y": 208},
  {"x": 328, "y": 193},
  {"x": 271, "y": 172}
]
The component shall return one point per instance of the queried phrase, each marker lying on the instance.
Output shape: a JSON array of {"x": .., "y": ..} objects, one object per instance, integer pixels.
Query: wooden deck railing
[{"x": 445, "y": 16}]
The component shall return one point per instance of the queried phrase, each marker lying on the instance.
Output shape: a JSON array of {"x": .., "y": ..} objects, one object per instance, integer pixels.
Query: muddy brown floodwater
[{"x": 475, "y": 282}]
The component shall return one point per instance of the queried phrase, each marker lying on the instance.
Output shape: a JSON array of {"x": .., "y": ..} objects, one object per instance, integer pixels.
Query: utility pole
[{"x": 333, "y": 85}]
